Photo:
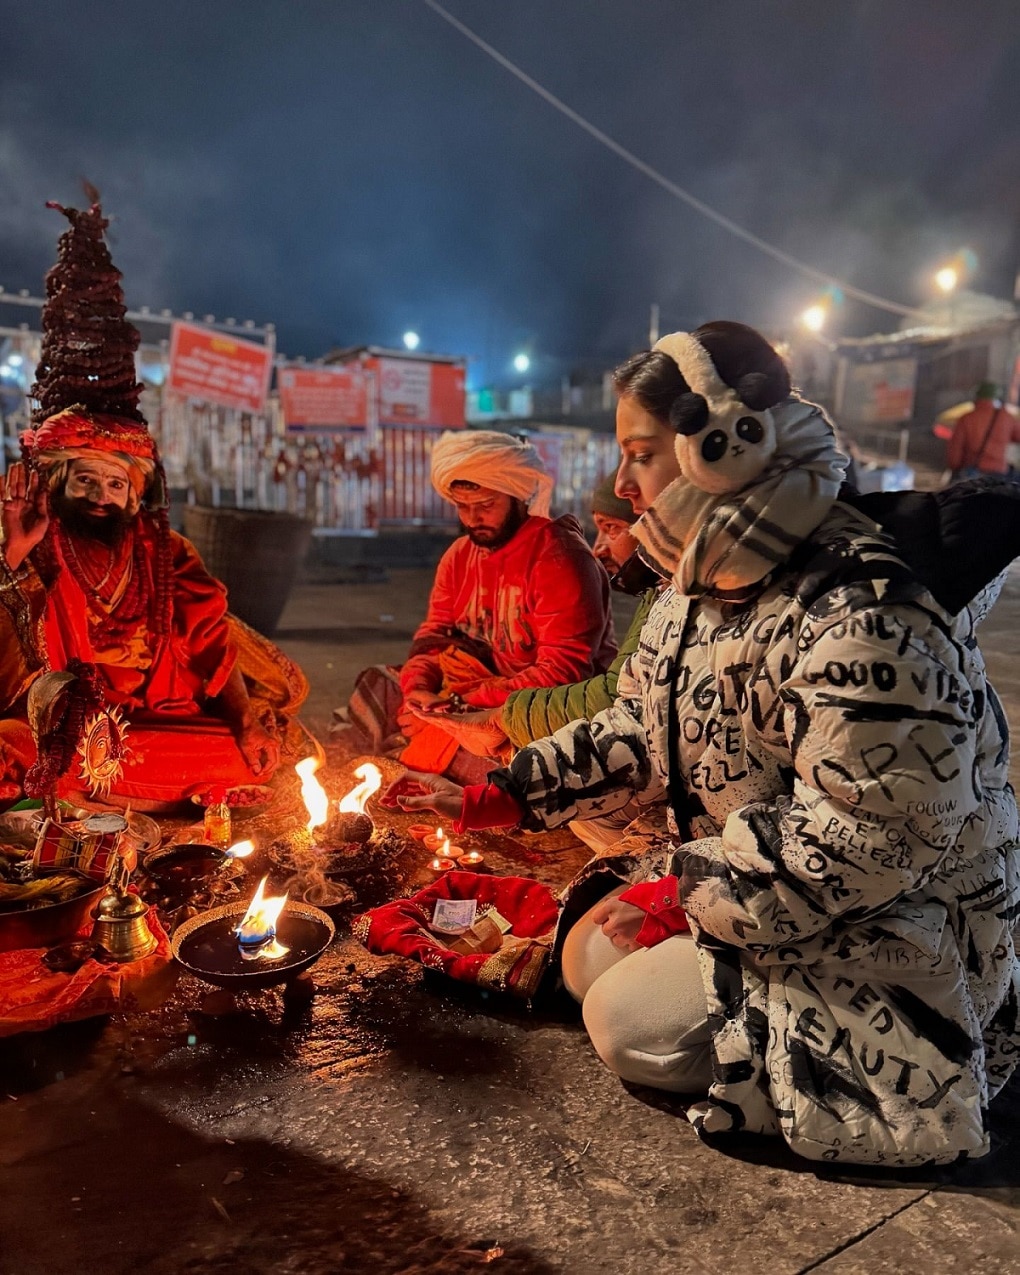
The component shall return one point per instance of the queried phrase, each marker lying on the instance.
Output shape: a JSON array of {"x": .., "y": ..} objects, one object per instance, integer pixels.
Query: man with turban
[
  {"x": 518, "y": 601},
  {"x": 91, "y": 571}
]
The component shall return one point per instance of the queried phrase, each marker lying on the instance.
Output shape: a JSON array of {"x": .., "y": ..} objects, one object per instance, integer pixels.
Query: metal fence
[{"x": 349, "y": 481}]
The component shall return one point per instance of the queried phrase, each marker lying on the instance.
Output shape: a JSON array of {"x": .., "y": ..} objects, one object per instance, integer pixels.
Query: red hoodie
[{"x": 539, "y": 603}]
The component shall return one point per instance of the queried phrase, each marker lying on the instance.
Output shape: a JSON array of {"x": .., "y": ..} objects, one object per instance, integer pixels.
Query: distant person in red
[
  {"x": 981, "y": 437},
  {"x": 518, "y": 601}
]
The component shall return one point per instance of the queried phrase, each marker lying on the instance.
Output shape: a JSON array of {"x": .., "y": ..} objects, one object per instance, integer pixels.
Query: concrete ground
[{"x": 404, "y": 1125}]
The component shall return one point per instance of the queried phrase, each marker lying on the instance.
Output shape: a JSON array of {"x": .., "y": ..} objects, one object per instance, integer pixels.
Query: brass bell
[{"x": 120, "y": 926}]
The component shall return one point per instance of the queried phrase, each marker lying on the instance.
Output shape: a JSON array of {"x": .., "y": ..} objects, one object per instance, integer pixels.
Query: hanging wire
[{"x": 678, "y": 192}]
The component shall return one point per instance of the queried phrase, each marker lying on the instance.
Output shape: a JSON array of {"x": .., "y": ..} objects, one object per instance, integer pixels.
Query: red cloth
[
  {"x": 487, "y": 806},
  {"x": 964, "y": 450},
  {"x": 33, "y": 998},
  {"x": 401, "y": 928},
  {"x": 161, "y": 683},
  {"x": 664, "y": 915},
  {"x": 169, "y": 676},
  {"x": 540, "y": 604}
]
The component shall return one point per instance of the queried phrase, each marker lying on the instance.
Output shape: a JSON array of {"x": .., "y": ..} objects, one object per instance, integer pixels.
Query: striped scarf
[{"x": 727, "y": 543}]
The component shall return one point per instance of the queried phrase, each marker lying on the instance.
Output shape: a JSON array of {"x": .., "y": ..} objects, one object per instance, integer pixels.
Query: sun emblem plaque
[{"x": 102, "y": 750}]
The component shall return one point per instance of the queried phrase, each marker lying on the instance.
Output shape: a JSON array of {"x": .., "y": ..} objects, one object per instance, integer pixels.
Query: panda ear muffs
[
  {"x": 762, "y": 390},
  {"x": 688, "y": 414}
]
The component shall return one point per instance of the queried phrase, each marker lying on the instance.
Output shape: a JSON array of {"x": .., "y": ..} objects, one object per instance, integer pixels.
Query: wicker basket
[{"x": 256, "y": 554}]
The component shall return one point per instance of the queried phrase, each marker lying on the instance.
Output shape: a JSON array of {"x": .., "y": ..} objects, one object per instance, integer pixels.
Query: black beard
[
  {"x": 513, "y": 522},
  {"x": 71, "y": 511}
]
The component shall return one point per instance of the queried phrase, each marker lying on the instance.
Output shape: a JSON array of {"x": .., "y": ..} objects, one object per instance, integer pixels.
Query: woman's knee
[
  {"x": 587, "y": 953},
  {"x": 644, "y": 1031}
]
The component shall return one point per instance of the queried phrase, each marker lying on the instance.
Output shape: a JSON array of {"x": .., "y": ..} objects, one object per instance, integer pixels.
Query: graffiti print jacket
[{"x": 846, "y": 848}]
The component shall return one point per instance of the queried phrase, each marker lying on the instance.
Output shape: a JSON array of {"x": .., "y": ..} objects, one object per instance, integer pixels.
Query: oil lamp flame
[
  {"x": 312, "y": 793},
  {"x": 256, "y": 933},
  {"x": 355, "y": 801},
  {"x": 240, "y": 850}
]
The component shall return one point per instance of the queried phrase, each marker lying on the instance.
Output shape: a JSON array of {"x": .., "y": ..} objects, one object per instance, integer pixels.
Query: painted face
[
  {"x": 649, "y": 461},
  {"x": 98, "y": 486},
  {"x": 490, "y": 518},
  {"x": 733, "y": 448},
  {"x": 613, "y": 544}
]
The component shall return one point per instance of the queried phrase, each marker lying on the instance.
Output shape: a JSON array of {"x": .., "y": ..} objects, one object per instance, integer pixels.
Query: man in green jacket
[{"x": 535, "y": 712}]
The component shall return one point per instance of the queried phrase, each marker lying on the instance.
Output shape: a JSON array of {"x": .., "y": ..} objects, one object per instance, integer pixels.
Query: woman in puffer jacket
[{"x": 844, "y": 836}]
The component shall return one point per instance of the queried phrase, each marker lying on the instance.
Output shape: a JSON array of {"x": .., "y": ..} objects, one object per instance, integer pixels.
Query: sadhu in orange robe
[{"x": 60, "y": 606}]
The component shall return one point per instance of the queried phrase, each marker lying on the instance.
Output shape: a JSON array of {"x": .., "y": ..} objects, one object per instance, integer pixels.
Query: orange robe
[{"x": 161, "y": 683}]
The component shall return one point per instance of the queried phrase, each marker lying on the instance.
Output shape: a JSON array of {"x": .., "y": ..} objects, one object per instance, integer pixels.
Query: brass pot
[{"x": 120, "y": 926}]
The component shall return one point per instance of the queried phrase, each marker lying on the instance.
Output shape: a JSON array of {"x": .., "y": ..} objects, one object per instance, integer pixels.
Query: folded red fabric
[{"x": 402, "y": 928}]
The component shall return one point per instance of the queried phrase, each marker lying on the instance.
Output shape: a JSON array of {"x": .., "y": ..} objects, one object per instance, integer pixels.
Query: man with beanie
[
  {"x": 518, "y": 601},
  {"x": 981, "y": 437}
]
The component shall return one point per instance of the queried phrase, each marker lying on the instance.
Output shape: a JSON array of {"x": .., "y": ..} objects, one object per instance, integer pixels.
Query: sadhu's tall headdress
[{"x": 86, "y": 387}]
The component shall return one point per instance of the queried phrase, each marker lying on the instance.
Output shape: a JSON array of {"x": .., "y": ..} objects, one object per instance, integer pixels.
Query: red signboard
[
  {"x": 219, "y": 369},
  {"x": 322, "y": 399},
  {"x": 417, "y": 392}
]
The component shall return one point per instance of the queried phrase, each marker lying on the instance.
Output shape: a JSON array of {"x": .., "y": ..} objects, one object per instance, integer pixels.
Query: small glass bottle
[{"x": 216, "y": 827}]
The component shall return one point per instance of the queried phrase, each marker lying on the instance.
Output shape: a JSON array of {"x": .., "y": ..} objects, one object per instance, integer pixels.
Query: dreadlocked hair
[
  {"x": 163, "y": 574},
  {"x": 88, "y": 347}
]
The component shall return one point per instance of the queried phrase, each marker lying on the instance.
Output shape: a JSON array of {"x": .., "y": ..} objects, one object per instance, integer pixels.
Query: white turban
[{"x": 491, "y": 460}]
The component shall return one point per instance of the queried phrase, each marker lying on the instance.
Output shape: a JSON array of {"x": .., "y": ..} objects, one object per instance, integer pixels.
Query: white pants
[{"x": 645, "y": 1011}]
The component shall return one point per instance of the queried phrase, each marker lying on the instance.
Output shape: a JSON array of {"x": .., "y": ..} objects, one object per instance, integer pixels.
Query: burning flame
[
  {"x": 355, "y": 801},
  {"x": 257, "y": 929},
  {"x": 240, "y": 850},
  {"x": 312, "y": 793}
]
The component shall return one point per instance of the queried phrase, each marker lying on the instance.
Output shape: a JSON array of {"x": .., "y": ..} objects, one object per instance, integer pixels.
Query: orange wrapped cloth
[
  {"x": 34, "y": 998},
  {"x": 162, "y": 684}
]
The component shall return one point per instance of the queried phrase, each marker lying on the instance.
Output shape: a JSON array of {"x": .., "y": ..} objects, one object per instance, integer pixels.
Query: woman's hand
[
  {"x": 415, "y": 790},
  {"x": 24, "y": 512},
  {"x": 620, "y": 922}
]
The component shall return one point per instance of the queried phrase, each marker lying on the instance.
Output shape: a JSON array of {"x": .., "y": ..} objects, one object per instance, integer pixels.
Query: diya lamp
[
  {"x": 447, "y": 851},
  {"x": 471, "y": 859},
  {"x": 447, "y": 856},
  {"x": 247, "y": 947}
]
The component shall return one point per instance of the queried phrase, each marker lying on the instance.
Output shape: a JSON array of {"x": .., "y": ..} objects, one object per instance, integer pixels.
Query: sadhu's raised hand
[{"x": 24, "y": 512}]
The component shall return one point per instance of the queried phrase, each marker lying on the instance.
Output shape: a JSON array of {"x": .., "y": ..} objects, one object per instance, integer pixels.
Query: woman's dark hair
[{"x": 653, "y": 379}]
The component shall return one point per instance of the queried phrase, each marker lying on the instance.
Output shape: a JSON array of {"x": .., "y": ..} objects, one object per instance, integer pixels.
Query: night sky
[{"x": 352, "y": 169}]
